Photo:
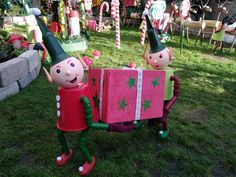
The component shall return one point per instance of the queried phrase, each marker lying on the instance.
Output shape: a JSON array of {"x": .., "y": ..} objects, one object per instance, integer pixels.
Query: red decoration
[
  {"x": 132, "y": 65},
  {"x": 70, "y": 110},
  {"x": 87, "y": 60},
  {"x": 96, "y": 54},
  {"x": 24, "y": 44},
  {"x": 55, "y": 27}
]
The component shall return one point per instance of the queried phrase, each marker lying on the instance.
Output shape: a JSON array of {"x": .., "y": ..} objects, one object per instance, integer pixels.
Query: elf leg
[
  {"x": 165, "y": 132},
  {"x": 221, "y": 46},
  {"x": 90, "y": 161},
  {"x": 168, "y": 104},
  {"x": 67, "y": 153}
]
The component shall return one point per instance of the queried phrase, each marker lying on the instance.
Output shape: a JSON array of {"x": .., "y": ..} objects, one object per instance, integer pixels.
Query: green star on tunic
[
  {"x": 96, "y": 100},
  {"x": 123, "y": 104},
  {"x": 131, "y": 82},
  {"x": 94, "y": 81},
  {"x": 146, "y": 104},
  {"x": 155, "y": 82}
]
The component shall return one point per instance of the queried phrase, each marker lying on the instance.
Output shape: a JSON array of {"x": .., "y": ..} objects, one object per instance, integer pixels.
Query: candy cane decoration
[
  {"x": 113, "y": 10},
  {"x": 115, "y": 13},
  {"x": 49, "y": 4},
  {"x": 100, "y": 14},
  {"x": 144, "y": 28},
  {"x": 74, "y": 4}
]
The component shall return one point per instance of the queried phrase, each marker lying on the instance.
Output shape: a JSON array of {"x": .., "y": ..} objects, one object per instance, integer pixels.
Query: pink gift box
[{"x": 123, "y": 95}]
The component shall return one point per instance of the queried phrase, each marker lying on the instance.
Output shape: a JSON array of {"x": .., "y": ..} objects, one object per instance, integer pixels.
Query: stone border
[{"x": 17, "y": 73}]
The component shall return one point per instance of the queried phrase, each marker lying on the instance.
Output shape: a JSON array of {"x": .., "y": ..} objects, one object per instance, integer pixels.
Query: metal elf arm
[
  {"x": 114, "y": 127},
  {"x": 170, "y": 103},
  {"x": 88, "y": 116}
]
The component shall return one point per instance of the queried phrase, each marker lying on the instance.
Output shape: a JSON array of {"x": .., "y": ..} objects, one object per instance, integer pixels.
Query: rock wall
[{"x": 17, "y": 73}]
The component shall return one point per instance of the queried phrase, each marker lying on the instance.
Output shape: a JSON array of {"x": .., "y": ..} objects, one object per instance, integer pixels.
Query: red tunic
[{"x": 70, "y": 110}]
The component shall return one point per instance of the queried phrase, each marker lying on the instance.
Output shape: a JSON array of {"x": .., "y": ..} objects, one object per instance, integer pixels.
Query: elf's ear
[
  {"x": 145, "y": 57},
  {"x": 86, "y": 67},
  {"x": 49, "y": 77},
  {"x": 171, "y": 54}
]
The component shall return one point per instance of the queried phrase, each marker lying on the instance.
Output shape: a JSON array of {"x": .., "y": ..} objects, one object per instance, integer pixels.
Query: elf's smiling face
[
  {"x": 68, "y": 73},
  {"x": 160, "y": 59}
]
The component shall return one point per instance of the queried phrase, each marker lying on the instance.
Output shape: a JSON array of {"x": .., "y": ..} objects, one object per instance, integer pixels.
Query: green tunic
[
  {"x": 169, "y": 85},
  {"x": 219, "y": 36}
]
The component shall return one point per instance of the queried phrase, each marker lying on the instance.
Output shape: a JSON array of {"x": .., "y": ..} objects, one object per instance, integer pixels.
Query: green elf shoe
[{"x": 164, "y": 133}]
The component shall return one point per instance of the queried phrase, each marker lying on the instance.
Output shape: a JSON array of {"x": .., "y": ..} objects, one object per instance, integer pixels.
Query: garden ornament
[
  {"x": 88, "y": 5},
  {"x": 73, "y": 21},
  {"x": 88, "y": 61},
  {"x": 160, "y": 19},
  {"x": 74, "y": 108},
  {"x": 132, "y": 65},
  {"x": 96, "y": 54},
  {"x": 106, "y": 5},
  {"x": 15, "y": 40},
  {"x": 227, "y": 25},
  {"x": 115, "y": 13},
  {"x": 159, "y": 57}
]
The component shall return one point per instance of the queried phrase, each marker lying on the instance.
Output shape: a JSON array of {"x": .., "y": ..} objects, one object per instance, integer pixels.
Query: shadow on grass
[{"x": 205, "y": 47}]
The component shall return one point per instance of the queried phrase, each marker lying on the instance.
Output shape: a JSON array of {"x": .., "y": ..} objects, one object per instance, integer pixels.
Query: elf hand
[{"x": 118, "y": 127}]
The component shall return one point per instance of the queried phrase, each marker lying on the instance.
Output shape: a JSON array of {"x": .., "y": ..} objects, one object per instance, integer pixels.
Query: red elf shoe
[
  {"x": 63, "y": 159},
  {"x": 87, "y": 167}
]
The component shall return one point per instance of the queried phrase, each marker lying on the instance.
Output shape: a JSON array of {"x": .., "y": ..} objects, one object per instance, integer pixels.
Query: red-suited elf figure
[{"x": 74, "y": 111}]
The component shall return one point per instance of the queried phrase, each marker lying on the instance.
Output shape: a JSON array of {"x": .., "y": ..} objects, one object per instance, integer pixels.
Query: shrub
[{"x": 7, "y": 51}]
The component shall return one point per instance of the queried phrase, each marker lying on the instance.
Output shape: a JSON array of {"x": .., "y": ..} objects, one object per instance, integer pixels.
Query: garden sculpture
[
  {"x": 159, "y": 57},
  {"x": 76, "y": 110},
  {"x": 227, "y": 25},
  {"x": 221, "y": 9},
  {"x": 73, "y": 100}
]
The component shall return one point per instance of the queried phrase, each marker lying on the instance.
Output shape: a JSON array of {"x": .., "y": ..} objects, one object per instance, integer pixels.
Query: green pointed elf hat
[
  {"x": 54, "y": 48},
  {"x": 155, "y": 43}
]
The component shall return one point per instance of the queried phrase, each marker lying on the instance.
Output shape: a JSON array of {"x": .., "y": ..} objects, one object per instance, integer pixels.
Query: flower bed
[{"x": 17, "y": 73}]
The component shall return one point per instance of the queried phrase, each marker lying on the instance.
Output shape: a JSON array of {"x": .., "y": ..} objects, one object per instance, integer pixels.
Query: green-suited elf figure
[{"x": 159, "y": 57}]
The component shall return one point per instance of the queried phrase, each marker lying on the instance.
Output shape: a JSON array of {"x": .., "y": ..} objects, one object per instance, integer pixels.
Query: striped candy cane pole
[
  {"x": 49, "y": 4},
  {"x": 117, "y": 19},
  {"x": 100, "y": 14},
  {"x": 144, "y": 27},
  {"x": 113, "y": 10},
  {"x": 74, "y": 3},
  {"x": 115, "y": 13}
]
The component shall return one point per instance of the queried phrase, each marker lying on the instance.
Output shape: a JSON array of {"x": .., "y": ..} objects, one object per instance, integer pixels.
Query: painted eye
[
  {"x": 160, "y": 56},
  {"x": 58, "y": 70},
  {"x": 150, "y": 57},
  {"x": 72, "y": 64}
]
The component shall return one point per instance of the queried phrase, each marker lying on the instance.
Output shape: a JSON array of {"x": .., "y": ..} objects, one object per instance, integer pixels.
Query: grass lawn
[{"x": 202, "y": 140}]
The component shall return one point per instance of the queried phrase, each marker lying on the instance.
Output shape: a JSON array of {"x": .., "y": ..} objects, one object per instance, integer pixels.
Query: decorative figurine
[
  {"x": 159, "y": 57},
  {"x": 96, "y": 54},
  {"x": 74, "y": 108}
]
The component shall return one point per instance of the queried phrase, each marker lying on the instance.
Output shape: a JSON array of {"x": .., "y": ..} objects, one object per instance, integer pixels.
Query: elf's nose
[
  {"x": 155, "y": 60},
  {"x": 68, "y": 73}
]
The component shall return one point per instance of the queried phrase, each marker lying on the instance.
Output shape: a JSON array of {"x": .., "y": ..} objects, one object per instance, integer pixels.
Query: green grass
[{"x": 202, "y": 123}]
